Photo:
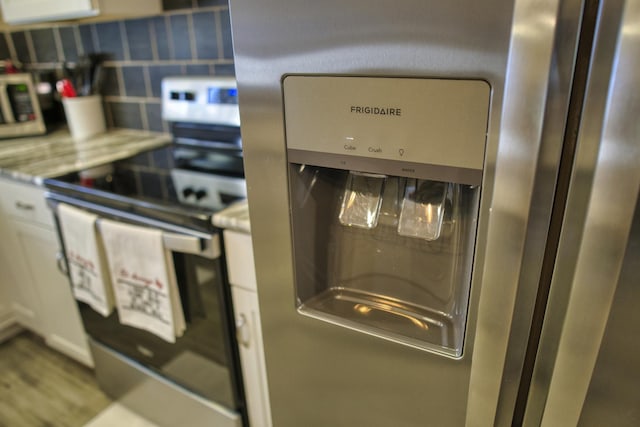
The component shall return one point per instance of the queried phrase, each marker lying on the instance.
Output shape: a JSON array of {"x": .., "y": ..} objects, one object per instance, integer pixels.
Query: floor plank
[{"x": 42, "y": 388}]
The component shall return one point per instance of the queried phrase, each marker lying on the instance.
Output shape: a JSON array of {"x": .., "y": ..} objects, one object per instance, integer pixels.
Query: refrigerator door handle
[{"x": 612, "y": 200}]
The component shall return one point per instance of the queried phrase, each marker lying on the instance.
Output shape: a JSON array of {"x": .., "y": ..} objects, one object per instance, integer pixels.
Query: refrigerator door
[
  {"x": 322, "y": 374},
  {"x": 587, "y": 368}
]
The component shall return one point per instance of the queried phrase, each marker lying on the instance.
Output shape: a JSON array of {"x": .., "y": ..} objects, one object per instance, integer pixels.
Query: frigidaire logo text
[{"x": 378, "y": 111}]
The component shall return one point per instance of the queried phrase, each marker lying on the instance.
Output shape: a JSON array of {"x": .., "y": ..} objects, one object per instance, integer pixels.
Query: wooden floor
[{"x": 42, "y": 388}]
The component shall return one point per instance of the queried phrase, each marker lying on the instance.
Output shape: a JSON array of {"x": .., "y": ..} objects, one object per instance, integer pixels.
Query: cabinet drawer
[{"x": 25, "y": 202}]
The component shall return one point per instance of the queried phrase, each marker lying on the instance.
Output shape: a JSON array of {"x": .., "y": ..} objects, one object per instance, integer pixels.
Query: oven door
[{"x": 203, "y": 361}]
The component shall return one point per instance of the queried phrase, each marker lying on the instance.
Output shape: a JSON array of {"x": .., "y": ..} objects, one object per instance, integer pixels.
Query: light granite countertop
[
  {"x": 235, "y": 217},
  {"x": 32, "y": 159}
]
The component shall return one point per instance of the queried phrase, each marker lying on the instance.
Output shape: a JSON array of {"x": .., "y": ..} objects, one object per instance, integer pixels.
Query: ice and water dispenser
[{"x": 385, "y": 177}]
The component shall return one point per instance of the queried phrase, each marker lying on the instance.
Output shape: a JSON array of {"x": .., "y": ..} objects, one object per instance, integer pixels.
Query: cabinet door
[
  {"x": 28, "y": 11},
  {"x": 7, "y": 281},
  {"x": 249, "y": 332},
  {"x": 16, "y": 11},
  {"x": 62, "y": 326},
  {"x": 24, "y": 300}
]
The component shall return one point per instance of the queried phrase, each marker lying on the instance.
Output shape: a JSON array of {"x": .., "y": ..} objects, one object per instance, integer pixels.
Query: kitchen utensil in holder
[{"x": 85, "y": 116}]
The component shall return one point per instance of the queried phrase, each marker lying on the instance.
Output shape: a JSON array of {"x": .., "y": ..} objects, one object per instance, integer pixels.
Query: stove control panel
[
  {"x": 200, "y": 99},
  {"x": 207, "y": 190}
]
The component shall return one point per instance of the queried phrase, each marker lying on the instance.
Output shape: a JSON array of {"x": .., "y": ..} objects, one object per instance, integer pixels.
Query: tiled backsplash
[{"x": 192, "y": 37}]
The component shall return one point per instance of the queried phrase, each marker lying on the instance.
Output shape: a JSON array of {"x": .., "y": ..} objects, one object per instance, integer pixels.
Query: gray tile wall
[{"x": 192, "y": 37}]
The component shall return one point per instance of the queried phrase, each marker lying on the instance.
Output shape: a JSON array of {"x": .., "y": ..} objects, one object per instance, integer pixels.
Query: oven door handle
[
  {"x": 208, "y": 248},
  {"x": 175, "y": 238},
  {"x": 188, "y": 244}
]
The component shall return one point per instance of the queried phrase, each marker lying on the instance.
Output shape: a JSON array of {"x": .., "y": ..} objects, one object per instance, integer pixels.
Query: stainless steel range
[
  {"x": 195, "y": 380},
  {"x": 205, "y": 122}
]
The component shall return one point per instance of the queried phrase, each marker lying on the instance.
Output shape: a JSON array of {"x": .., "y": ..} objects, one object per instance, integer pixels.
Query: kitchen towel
[
  {"x": 90, "y": 281},
  {"x": 143, "y": 279}
]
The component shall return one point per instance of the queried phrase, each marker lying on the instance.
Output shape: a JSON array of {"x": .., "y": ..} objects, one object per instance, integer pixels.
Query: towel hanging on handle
[
  {"x": 143, "y": 279},
  {"x": 90, "y": 282}
]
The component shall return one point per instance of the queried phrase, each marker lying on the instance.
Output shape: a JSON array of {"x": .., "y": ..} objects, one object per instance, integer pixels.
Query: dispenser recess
[{"x": 385, "y": 177}]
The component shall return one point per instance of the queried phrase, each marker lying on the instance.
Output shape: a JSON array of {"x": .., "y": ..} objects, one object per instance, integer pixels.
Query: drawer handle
[
  {"x": 242, "y": 331},
  {"x": 62, "y": 263},
  {"x": 25, "y": 206}
]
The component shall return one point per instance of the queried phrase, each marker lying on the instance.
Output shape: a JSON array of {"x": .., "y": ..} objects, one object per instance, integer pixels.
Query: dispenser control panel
[{"x": 427, "y": 128}]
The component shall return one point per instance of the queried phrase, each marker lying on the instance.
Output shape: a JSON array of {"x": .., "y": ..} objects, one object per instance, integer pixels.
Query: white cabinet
[
  {"x": 242, "y": 277},
  {"x": 7, "y": 320},
  {"x": 29, "y": 11},
  {"x": 40, "y": 294}
]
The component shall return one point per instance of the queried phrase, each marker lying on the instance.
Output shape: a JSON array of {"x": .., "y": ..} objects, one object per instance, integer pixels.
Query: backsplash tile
[
  {"x": 110, "y": 39},
  {"x": 227, "y": 45},
  {"x": 192, "y": 37},
  {"x": 44, "y": 45},
  {"x": 87, "y": 38},
  {"x": 139, "y": 39},
  {"x": 111, "y": 82},
  {"x": 224, "y": 70},
  {"x": 19, "y": 40},
  {"x": 154, "y": 117},
  {"x": 126, "y": 115},
  {"x": 158, "y": 72},
  {"x": 205, "y": 35},
  {"x": 161, "y": 37},
  {"x": 180, "y": 37},
  {"x": 4, "y": 47},
  {"x": 134, "y": 81},
  {"x": 69, "y": 44},
  {"x": 198, "y": 70}
]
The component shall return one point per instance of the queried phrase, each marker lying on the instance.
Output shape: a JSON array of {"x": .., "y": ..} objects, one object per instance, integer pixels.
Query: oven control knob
[
  {"x": 187, "y": 192},
  {"x": 201, "y": 194}
]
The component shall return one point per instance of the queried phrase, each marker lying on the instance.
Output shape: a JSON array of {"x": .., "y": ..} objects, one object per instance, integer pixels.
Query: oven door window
[{"x": 200, "y": 359}]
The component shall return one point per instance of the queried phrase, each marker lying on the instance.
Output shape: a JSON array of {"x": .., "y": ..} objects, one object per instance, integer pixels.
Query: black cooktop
[{"x": 141, "y": 185}]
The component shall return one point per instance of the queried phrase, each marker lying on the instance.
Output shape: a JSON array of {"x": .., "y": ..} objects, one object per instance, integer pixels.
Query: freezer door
[
  {"x": 587, "y": 369},
  {"x": 326, "y": 374}
]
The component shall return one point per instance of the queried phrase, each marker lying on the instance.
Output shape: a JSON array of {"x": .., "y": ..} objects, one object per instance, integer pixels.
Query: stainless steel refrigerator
[{"x": 443, "y": 202}]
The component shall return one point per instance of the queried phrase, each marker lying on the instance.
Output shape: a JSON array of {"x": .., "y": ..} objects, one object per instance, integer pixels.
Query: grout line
[
  {"x": 151, "y": 29},
  {"x": 143, "y": 116},
  {"x": 124, "y": 41},
  {"x": 147, "y": 81},
  {"x": 78, "y": 39},
  {"x": 192, "y": 36},
  {"x": 218, "y": 19},
  {"x": 57, "y": 39},
  {"x": 109, "y": 113},
  {"x": 12, "y": 47},
  {"x": 30, "y": 47},
  {"x": 94, "y": 38},
  {"x": 167, "y": 24},
  {"x": 121, "y": 87},
  {"x": 113, "y": 98}
]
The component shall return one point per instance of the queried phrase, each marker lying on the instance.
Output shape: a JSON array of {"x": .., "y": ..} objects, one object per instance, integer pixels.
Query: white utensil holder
[{"x": 85, "y": 116}]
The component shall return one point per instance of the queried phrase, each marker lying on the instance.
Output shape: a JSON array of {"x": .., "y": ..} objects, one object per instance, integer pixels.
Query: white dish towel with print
[
  {"x": 143, "y": 278},
  {"x": 90, "y": 282}
]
